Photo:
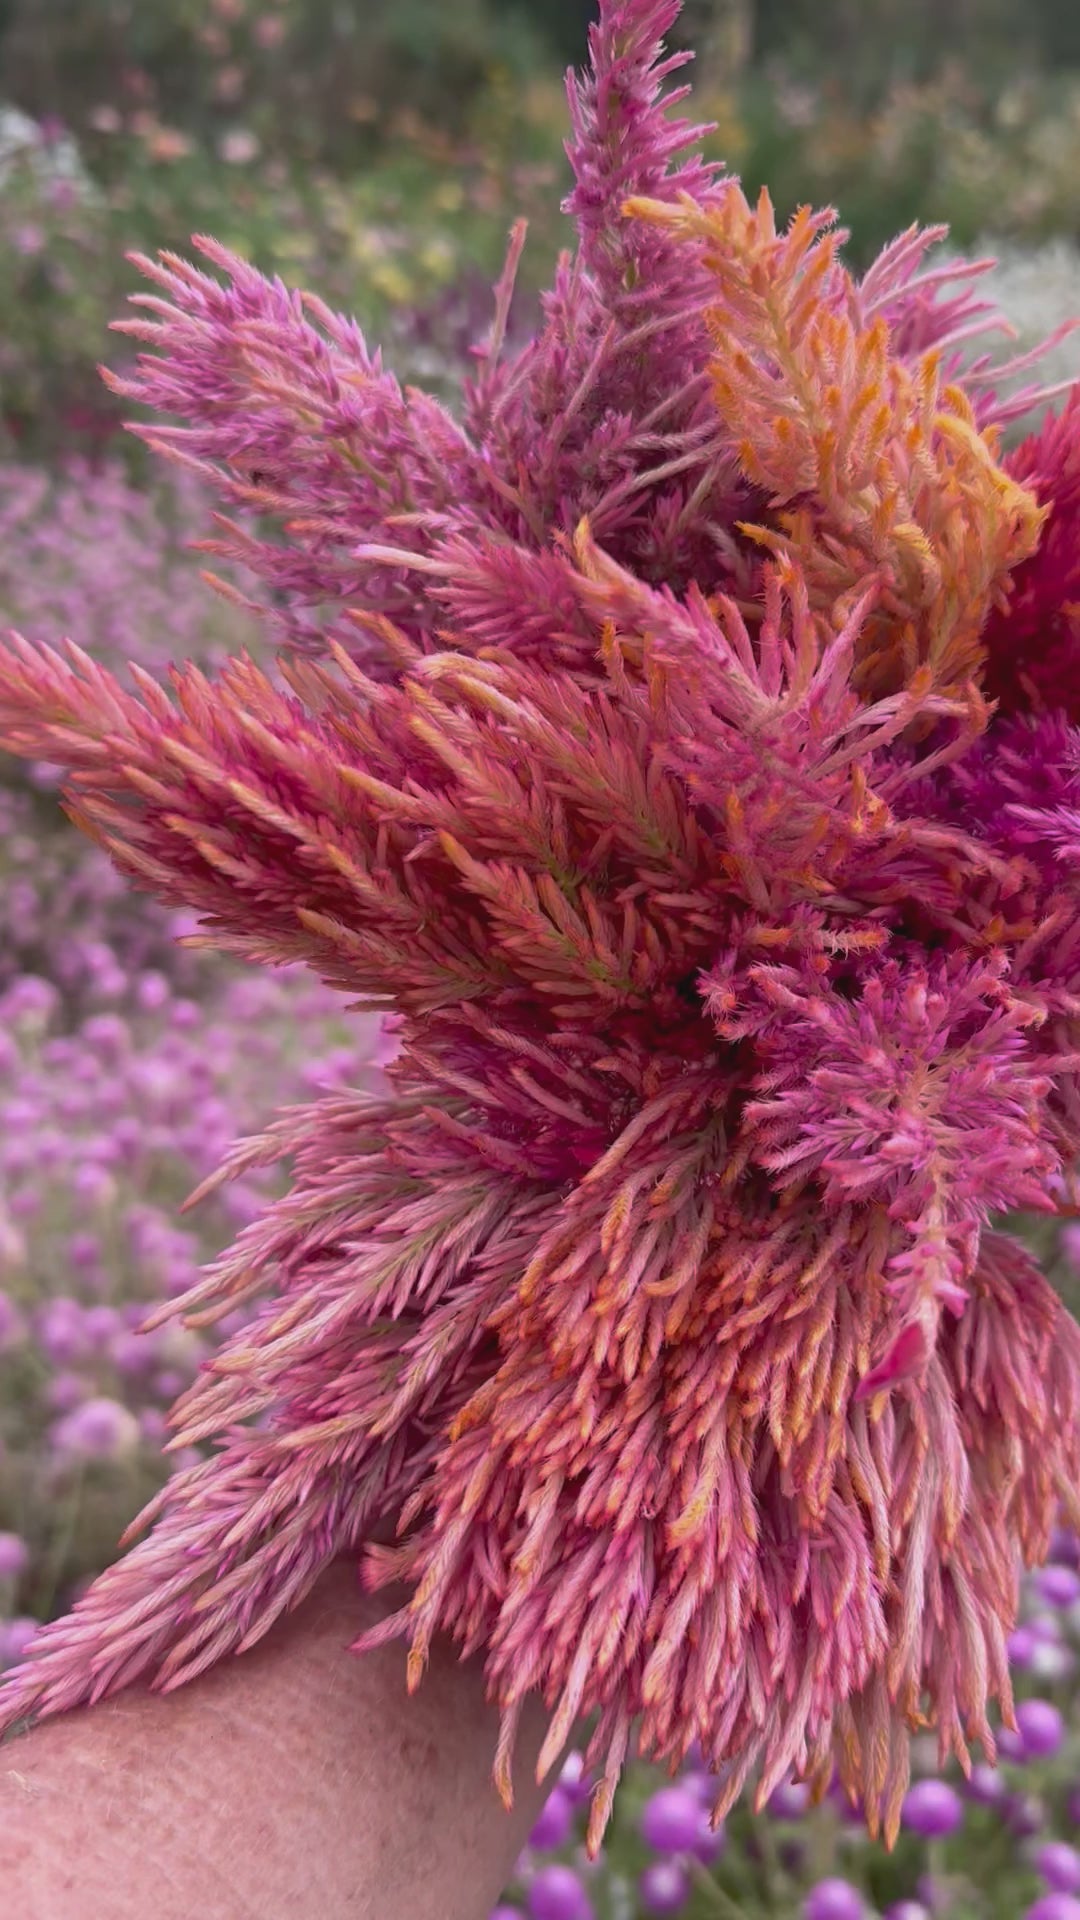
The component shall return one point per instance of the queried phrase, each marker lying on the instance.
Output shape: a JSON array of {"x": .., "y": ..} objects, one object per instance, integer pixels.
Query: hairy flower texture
[
  {"x": 939, "y": 307},
  {"x": 1018, "y": 789},
  {"x": 657, "y": 1331},
  {"x": 606, "y": 413},
  {"x": 1033, "y": 646},
  {"x": 873, "y": 470}
]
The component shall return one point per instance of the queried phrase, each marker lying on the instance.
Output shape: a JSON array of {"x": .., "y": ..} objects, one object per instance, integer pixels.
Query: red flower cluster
[{"x": 637, "y": 746}]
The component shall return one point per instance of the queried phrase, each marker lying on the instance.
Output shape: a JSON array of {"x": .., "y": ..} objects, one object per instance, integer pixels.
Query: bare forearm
[{"x": 298, "y": 1781}]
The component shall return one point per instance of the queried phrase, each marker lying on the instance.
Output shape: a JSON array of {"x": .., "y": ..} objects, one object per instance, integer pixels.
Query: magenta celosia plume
[{"x": 681, "y": 741}]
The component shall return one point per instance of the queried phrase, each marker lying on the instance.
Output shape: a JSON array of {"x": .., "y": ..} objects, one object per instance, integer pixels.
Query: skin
[{"x": 296, "y": 1782}]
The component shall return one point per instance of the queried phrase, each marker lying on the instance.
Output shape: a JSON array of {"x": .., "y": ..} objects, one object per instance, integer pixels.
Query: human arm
[{"x": 297, "y": 1782}]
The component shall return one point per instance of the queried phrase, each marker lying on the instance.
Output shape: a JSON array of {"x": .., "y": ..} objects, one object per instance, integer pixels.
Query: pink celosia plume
[{"x": 637, "y": 746}]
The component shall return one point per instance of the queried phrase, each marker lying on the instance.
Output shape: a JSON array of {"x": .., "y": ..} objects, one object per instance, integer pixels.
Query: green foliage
[
  {"x": 382, "y": 150},
  {"x": 388, "y": 243},
  {"x": 1003, "y": 162},
  {"x": 313, "y": 76}
]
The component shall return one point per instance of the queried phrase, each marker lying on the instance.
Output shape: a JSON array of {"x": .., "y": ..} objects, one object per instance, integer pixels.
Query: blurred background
[
  {"x": 380, "y": 148},
  {"x": 377, "y": 151}
]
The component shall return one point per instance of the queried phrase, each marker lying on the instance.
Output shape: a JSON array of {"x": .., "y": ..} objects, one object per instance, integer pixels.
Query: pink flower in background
[
  {"x": 1070, "y": 1244},
  {"x": 97, "y": 1430},
  {"x": 633, "y": 749},
  {"x": 228, "y": 83},
  {"x": 270, "y": 30},
  {"x": 13, "y": 1556},
  {"x": 167, "y": 143},
  {"x": 238, "y": 147}
]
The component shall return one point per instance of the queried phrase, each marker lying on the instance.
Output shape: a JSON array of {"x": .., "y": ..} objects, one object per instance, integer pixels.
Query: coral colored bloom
[{"x": 636, "y": 746}]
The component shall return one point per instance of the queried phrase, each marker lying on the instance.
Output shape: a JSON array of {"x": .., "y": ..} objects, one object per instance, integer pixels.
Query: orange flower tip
[
  {"x": 761, "y": 536},
  {"x": 415, "y": 1667},
  {"x": 656, "y": 212}
]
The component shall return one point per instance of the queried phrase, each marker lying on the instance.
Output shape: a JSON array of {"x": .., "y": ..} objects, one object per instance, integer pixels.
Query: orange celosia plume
[{"x": 870, "y": 465}]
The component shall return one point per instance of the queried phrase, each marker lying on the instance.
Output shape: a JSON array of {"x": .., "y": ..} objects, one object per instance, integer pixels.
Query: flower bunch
[
  {"x": 636, "y": 747},
  {"x": 999, "y": 1843}
]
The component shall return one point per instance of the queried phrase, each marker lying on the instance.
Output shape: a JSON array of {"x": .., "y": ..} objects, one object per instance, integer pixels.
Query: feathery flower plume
[
  {"x": 1033, "y": 644},
  {"x": 637, "y": 747}
]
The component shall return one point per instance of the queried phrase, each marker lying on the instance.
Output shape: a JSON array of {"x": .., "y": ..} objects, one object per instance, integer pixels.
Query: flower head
[{"x": 634, "y": 748}]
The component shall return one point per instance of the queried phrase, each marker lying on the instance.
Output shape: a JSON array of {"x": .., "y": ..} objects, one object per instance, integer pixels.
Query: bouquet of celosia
[{"x": 681, "y": 743}]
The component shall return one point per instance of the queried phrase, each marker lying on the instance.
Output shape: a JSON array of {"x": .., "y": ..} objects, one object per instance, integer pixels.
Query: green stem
[
  {"x": 776, "y": 1879},
  {"x": 49, "y": 1578},
  {"x": 717, "y": 1898}
]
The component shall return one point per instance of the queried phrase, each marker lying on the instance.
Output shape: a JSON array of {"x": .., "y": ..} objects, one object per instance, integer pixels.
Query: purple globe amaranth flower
[
  {"x": 65, "y": 1390},
  {"x": 1053, "y": 1661},
  {"x": 574, "y": 1779},
  {"x": 555, "y": 1823},
  {"x": 1020, "y": 1646},
  {"x": 671, "y": 1820},
  {"x": 1010, "y": 1746},
  {"x": 789, "y": 1801},
  {"x": 15, "y": 1637},
  {"x": 1059, "y": 1865},
  {"x": 1064, "y": 1543},
  {"x": 14, "y": 1556},
  {"x": 1025, "y": 1815},
  {"x": 985, "y": 1785},
  {"x": 834, "y": 1900},
  {"x": 664, "y": 1887},
  {"x": 99, "y": 1429},
  {"x": 711, "y": 1842},
  {"x": 556, "y": 1893},
  {"x": 1053, "y": 1906},
  {"x": 932, "y": 1809},
  {"x": 701, "y": 1784},
  {"x": 61, "y": 1330},
  {"x": 1041, "y": 1728},
  {"x": 1058, "y": 1586},
  {"x": 640, "y": 760}
]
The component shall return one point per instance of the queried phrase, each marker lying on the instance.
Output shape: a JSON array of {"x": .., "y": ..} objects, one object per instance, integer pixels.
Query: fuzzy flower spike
[{"x": 681, "y": 740}]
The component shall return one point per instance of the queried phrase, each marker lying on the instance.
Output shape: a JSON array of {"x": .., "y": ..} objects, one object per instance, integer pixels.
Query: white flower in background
[{"x": 51, "y": 162}]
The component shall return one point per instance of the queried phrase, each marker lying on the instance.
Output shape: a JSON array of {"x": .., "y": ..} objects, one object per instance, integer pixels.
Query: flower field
[{"x": 740, "y": 507}]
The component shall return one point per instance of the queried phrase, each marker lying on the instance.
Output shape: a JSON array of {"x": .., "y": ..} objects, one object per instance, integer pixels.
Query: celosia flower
[
  {"x": 648, "y": 774},
  {"x": 1033, "y": 645}
]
